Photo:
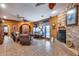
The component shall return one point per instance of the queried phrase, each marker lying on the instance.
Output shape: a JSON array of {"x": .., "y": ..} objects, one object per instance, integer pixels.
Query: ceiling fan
[
  {"x": 18, "y": 16},
  {"x": 21, "y": 17}
]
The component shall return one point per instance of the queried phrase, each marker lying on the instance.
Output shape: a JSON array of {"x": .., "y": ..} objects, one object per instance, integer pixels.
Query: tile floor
[{"x": 37, "y": 48}]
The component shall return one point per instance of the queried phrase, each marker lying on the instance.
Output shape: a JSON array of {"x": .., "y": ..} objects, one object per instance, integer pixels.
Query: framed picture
[
  {"x": 71, "y": 16},
  {"x": 15, "y": 28}
]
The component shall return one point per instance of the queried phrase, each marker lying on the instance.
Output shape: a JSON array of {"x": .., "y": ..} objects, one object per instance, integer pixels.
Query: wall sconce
[
  {"x": 3, "y": 21},
  {"x": 53, "y": 26}
]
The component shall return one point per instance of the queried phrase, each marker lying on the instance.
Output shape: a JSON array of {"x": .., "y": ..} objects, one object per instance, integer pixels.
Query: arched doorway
[{"x": 25, "y": 28}]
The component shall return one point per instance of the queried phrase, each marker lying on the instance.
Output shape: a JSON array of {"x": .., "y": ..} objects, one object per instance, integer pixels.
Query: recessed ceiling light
[
  {"x": 53, "y": 12},
  {"x": 3, "y": 5},
  {"x": 4, "y": 17}
]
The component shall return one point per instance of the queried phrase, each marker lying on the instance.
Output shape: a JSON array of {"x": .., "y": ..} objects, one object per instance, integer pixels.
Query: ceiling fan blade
[
  {"x": 25, "y": 20},
  {"x": 38, "y": 4}
]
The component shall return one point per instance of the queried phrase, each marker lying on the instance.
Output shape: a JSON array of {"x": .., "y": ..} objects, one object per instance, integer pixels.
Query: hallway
[{"x": 37, "y": 48}]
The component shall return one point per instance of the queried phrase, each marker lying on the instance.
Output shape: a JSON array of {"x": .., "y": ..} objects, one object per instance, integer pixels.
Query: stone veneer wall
[{"x": 72, "y": 31}]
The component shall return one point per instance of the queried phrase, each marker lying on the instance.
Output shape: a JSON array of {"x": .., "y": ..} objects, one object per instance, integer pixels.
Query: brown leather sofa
[
  {"x": 24, "y": 36},
  {"x": 24, "y": 39}
]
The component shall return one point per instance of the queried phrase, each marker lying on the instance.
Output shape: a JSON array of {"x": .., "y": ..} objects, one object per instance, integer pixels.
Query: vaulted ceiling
[{"x": 30, "y": 11}]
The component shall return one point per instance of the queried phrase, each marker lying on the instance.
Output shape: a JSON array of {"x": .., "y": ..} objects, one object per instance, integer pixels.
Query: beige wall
[
  {"x": 53, "y": 20},
  {"x": 72, "y": 31},
  {"x": 10, "y": 24}
]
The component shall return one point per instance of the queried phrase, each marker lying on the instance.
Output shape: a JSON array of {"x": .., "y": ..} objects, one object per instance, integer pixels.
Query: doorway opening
[
  {"x": 46, "y": 31},
  {"x": 5, "y": 29}
]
